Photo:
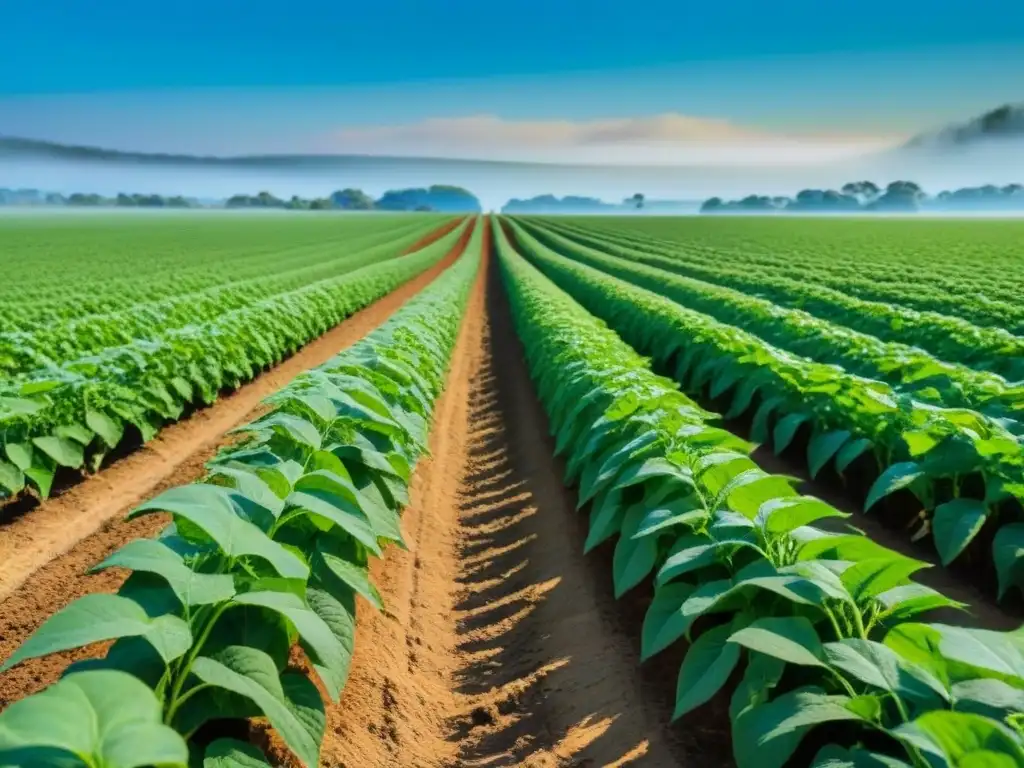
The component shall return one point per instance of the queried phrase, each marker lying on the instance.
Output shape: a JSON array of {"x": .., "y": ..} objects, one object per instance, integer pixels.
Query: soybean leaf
[
  {"x": 834, "y": 756},
  {"x": 991, "y": 698},
  {"x": 329, "y": 656},
  {"x": 105, "y": 716},
  {"x": 876, "y": 575},
  {"x": 955, "y": 524},
  {"x": 789, "y": 513},
  {"x": 357, "y": 577},
  {"x": 336, "y": 499},
  {"x": 767, "y": 735},
  {"x": 98, "y": 617},
  {"x": 881, "y": 667},
  {"x": 229, "y": 753},
  {"x": 211, "y": 508},
  {"x": 707, "y": 666},
  {"x": 823, "y": 447},
  {"x": 850, "y": 452},
  {"x": 961, "y": 738},
  {"x": 295, "y": 712},
  {"x": 790, "y": 638},
  {"x": 1008, "y": 550},
  {"x": 67, "y": 453},
  {"x": 786, "y": 430},
  {"x": 107, "y": 427},
  {"x": 152, "y": 556},
  {"x": 893, "y": 479},
  {"x": 663, "y": 622}
]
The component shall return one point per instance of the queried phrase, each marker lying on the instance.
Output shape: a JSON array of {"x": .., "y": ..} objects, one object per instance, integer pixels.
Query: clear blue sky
[{"x": 184, "y": 74}]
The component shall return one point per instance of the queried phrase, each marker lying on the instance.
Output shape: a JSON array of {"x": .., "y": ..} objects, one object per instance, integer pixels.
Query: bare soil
[{"x": 45, "y": 553}]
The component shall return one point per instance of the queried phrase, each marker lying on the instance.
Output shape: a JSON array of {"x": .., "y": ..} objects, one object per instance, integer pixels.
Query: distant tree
[
  {"x": 712, "y": 205},
  {"x": 321, "y": 204},
  {"x": 352, "y": 200},
  {"x": 423, "y": 208},
  {"x": 638, "y": 200}
]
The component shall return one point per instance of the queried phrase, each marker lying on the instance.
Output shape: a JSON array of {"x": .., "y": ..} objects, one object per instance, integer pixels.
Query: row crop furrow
[
  {"x": 270, "y": 550},
  {"x": 791, "y": 627},
  {"x": 965, "y": 471},
  {"x": 73, "y": 416}
]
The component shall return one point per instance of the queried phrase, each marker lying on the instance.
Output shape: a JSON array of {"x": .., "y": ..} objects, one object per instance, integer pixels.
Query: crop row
[
  {"x": 948, "y": 338},
  {"x": 32, "y": 354},
  {"x": 271, "y": 549},
  {"x": 81, "y": 266},
  {"x": 906, "y": 368},
  {"x": 959, "y": 268},
  {"x": 821, "y": 625},
  {"x": 965, "y": 470},
  {"x": 72, "y": 417}
]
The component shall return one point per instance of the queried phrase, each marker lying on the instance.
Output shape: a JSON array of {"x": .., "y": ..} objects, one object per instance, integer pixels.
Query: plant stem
[{"x": 186, "y": 666}]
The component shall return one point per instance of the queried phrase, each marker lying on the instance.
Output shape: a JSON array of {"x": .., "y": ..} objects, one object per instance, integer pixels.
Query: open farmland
[{"x": 428, "y": 491}]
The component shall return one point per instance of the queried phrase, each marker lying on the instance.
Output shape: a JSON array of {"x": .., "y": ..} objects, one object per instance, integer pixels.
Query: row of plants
[
  {"x": 906, "y": 368},
  {"x": 270, "y": 550},
  {"x": 965, "y": 471},
  {"x": 33, "y": 354},
  {"x": 104, "y": 265},
  {"x": 965, "y": 269},
  {"x": 798, "y": 627},
  {"x": 948, "y": 338},
  {"x": 74, "y": 416}
]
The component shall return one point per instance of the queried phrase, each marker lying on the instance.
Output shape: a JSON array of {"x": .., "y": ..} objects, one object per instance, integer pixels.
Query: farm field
[{"x": 440, "y": 491}]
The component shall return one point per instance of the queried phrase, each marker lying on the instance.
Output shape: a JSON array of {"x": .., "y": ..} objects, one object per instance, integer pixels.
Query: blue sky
[{"x": 540, "y": 76}]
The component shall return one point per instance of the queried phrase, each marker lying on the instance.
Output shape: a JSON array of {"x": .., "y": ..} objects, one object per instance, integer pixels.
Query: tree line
[{"x": 899, "y": 196}]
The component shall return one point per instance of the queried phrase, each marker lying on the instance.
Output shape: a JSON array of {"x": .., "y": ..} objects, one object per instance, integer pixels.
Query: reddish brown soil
[{"x": 45, "y": 553}]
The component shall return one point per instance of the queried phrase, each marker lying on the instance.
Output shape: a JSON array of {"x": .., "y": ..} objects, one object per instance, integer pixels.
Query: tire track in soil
[
  {"x": 501, "y": 645},
  {"x": 44, "y": 555}
]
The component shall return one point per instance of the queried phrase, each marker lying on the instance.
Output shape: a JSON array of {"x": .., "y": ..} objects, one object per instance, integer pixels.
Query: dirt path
[
  {"x": 45, "y": 553},
  {"x": 501, "y": 645}
]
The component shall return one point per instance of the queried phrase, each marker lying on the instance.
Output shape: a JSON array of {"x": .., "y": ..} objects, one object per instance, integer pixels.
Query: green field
[{"x": 796, "y": 446}]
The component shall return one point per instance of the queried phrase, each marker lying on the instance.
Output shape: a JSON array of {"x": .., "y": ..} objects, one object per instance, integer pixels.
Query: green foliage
[
  {"x": 73, "y": 385},
  {"x": 922, "y": 448},
  {"x": 273, "y": 548},
  {"x": 818, "y": 623}
]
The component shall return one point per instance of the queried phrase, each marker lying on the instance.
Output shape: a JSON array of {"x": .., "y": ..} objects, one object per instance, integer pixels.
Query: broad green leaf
[
  {"x": 1008, "y": 551},
  {"x": 337, "y": 500},
  {"x": 761, "y": 676},
  {"x": 228, "y": 753},
  {"x": 871, "y": 577},
  {"x": 688, "y": 554},
  {"x": 792, "y": 639},
  {"x": 356, "y": 577},
  {"x": 67, "y": 453},
  {"x": 339, "y": 616},
  {"x": 851, "y": 452},
  {"x": 823, "y": 447},
  {"x": 606, "y": 516},
  {"x": 789, "y": 513},
  {"x": 955, "y": 525},
  {"x": 104, "y": 716},
  {"x": 633, "y": 560},
  {"x": 881, "y": 667},
  {"x": 963, "y": 739},
  {"x": 786, "y": 430},
  {"x": 12, "y": 479},
  {"x": 834, "y": 756},
  {"x": 294, "y": 427},
  {"x": 707, "y": 666},
  {"x": 912, "y": 599},
  {"x": 211, "y": 508},
  {"x": 664, "y": 622},
  {"x": 20, "y": 454},
  {"x": 107, "y": 427},
  {"x": 98, "y": 617},
  {"x": 766, "y": 736},
  {"x": 297, "y": 716},
  {"x": 1000, "y": 653},
  {"x": 327, "y": 652},
  {"x": 991, "y": 698},
  {"x": 893, "y": 479},
  {"x": 153, "y": 556}
]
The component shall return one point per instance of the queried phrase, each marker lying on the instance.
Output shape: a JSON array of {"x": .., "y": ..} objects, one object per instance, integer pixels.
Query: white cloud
[{"x": 660, "y": 139}]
